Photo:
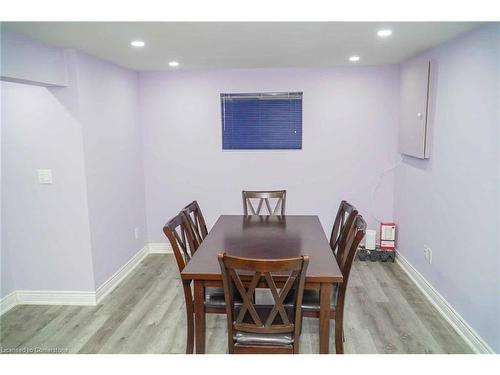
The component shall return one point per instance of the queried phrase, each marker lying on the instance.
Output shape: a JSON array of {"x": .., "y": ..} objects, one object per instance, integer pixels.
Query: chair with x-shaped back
[
  {"x": 345, "y": 212},
  {"x": 271, "y": 328},
  {"x": 264, "y": 197},
  {"x": 184, "y": 245},
  {"x": 195, "y": 218},
  {"x": 353, "y": 233}
]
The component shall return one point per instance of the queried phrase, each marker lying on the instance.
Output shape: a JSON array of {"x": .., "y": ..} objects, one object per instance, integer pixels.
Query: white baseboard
[
  {"x": 8, "y": 302},
  {"x": 110, "y": 284},
  {"x": 44, "y": 297},
  {"x": 471, "y": 337},
  {"x": 52, "y": 297},
  {"x": 160, "y": 248},
  {"x": 83, "y": 298}
]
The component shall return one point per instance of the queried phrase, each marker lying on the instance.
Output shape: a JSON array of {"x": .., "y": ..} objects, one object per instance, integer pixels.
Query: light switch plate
[{"x": 44, "y": 176}]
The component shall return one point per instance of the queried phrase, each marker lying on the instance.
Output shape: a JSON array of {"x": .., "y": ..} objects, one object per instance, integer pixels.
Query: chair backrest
[
  {"x": 345, "y": 216},
  {"x": 195, "y": 218},
  {"x": 263, "y": 273},
  {"x": 182, "y": 240},
  {"x": 264, "y": 197},
  {"x": 354, "y": 234}
]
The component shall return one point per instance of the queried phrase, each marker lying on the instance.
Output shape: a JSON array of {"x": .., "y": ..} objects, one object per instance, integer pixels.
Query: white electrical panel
[{"x": 414, "y": 109}]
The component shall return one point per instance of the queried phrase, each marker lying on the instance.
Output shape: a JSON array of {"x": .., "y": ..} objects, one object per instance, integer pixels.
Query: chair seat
[
  {"x": 310, "y": 300},
  {"x": 214, "y": 297},
  {"x": 253, "y": 338},
  {"x": 248, "y": 338}
]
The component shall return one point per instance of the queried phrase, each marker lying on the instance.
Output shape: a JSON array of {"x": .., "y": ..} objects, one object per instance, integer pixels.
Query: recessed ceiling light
[
  {"x": 173, "y": 63},
  {"x": 384, "y": 33},
  {"x": 354, "y": 58},
  {"x": 137, "y": 43}
]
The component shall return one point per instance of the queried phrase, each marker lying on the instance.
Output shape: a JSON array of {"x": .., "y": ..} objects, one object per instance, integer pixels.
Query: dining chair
[
  {"x": 184, "y": 245},
  {"x": 264, "y": 197},
  {"x": 354, "y": 233},
  {"x": 266, "y": 329},
  {"x": 195, "y": 218},
  {"x": 344, "y": 212}
]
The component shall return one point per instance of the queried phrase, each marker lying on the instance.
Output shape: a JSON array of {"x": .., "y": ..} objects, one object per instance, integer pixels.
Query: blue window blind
[{"x": 265, "y": 121}]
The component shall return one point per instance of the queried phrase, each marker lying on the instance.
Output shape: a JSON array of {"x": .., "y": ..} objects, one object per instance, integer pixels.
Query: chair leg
[
  {"x": 339, "y": 339},
  {"x": 189, "y": 320},
  {"x": 190, "y": 334},
  {"x": 339, "y": 334}
]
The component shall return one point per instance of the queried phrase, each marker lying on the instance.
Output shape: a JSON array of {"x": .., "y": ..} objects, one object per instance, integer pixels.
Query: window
[{"x": 264, "y": 121}]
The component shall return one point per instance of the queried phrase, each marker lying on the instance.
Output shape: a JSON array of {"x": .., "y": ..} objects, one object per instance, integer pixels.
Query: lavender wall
[
  {"x": 19, "y": 64},
  {"x": 448, "y": 202},
  {"x": 4, "y": 267},
  {"x": 74, "y": 234},
  {"x": 349, "y": 138},
  {"x": 45, "y": 231},
  {"x": 109, "y": 116},
  {"x": 77, "y": 232}
]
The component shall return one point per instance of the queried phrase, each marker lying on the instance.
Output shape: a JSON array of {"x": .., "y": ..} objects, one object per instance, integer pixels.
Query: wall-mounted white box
[{"x": 414, "y": 109}]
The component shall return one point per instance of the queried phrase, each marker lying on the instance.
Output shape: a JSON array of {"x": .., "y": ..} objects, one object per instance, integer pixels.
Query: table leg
[
  {"x": 324, "y": 317},
  {"x": 199, "y": 315}
]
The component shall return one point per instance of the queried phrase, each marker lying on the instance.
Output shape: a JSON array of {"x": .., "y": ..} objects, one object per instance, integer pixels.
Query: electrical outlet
[
  {"x": 428, "y": 254},
  {"x": 137, "y": 233}
]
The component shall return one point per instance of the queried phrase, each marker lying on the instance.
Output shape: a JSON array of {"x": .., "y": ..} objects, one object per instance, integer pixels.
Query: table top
[{"x": 266, "y": 237}]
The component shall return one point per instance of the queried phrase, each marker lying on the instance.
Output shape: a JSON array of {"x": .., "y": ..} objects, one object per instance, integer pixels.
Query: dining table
[{"x": 264, "y": 237}]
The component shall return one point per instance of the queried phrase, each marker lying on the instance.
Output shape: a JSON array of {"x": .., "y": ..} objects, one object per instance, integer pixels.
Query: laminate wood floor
[{"x": 385, "y": 313}]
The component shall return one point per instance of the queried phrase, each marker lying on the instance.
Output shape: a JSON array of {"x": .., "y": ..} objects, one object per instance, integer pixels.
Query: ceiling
[{"x": 202, "y": 45}]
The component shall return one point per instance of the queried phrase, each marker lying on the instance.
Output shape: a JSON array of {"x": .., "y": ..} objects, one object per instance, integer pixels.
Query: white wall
[
  {"x": 349, "y": 137},
  {"x": 450, "y": 202}
]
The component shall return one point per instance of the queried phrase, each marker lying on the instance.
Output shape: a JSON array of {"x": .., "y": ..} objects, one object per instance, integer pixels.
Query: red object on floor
[{"x": 388, "y": 236}]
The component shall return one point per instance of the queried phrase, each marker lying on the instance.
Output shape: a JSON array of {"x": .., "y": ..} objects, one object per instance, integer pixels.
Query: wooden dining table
[{"x": 266, "y": 237}]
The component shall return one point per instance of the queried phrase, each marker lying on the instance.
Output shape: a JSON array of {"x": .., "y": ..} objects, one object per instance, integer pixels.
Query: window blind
[{"x": 261, "y": 121}]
